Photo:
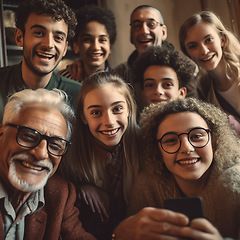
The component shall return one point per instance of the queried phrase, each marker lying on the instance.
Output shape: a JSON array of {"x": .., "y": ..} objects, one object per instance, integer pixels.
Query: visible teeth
[
  {"x": 96, "y": 54},
  {"x": 187, "y": 162},
  {"x": 110, "y": 132},
  {"x": 207, "y": 59},
  {"x": 45, "y": 55},
  {"x": 31, "y": 166}
]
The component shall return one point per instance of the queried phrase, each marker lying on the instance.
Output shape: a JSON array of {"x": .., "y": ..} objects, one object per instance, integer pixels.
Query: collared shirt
[
  {"x": 12, "y": 81},
  {"x": 14, "y": 222}
]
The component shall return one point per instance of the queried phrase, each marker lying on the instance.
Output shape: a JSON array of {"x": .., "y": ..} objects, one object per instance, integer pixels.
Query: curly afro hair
[
  {"x": 165, "y": 56},
  {"x": 91, "y": 13}
]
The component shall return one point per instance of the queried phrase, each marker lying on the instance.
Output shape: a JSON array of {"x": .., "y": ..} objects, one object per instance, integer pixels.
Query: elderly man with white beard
[{"x": 34, "y": 135}]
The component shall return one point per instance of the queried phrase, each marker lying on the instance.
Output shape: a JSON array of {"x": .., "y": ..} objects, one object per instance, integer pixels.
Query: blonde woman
[{"x": 216, "y": 51}]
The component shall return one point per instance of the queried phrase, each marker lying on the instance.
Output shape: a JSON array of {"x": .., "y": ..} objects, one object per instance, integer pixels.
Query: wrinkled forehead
[{"x": 143, "y": 14}]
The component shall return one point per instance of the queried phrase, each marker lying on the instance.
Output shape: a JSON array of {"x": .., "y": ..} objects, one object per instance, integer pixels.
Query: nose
[
  {"x": 96, "y": 44},
  {"x": 40, "y": 151},
  {"x": 144, "y": 28},
  {"x": 109, "y": 119},
  {"x": 186, "y": 146},
  {"x": 159, "y": 90},
  {"x": 48, "y": 41},
  {"x": 203, "y": 49}
]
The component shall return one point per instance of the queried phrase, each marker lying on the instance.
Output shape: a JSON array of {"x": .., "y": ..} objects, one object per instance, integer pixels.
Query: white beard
[{"x": 23, "y": 185}]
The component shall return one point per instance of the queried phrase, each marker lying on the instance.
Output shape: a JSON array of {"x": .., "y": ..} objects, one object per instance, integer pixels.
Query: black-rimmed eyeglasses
[
  {"x": 151, "y": 24},
  {"x": 30, "y": 138},
  {"x": 197, "y": 137}
]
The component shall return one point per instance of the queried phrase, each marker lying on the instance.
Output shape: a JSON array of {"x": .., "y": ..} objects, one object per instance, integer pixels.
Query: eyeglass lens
[
  {"x": 151, "y": 24},
  {"x": 197, "y": 137},
  {"x": 30, "y": 138}
]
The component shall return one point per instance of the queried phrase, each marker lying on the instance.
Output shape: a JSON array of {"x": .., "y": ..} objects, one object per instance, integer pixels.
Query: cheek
[
  {"x": 83, "y": 48},
  {"x": 92, "y": 124},
  {"x": 55, "y": 161}
]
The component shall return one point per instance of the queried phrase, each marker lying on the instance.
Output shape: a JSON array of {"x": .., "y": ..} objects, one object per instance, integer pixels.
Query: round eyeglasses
[
  {"x": 151, "y": 24},
  {"x": 197, "y": 137},
  {"x": 30, "y": 138}
]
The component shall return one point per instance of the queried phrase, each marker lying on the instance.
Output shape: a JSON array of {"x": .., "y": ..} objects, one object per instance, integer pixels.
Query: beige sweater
[{"x": 221, "y": 196}]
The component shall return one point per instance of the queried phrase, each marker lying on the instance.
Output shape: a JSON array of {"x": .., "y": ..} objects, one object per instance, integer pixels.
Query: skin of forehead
[{"x": 151, "y": 9}]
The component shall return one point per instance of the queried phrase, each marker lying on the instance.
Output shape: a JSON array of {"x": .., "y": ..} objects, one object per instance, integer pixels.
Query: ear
[
  {"x": 19, "y": 37},
  {"x": 164, "y": 31},
  {"x": 65, "y": 49},
  {"x": 75, "y": 48},
  {"x": 223, "y": 40},
  {"x": 182, "y": 92}
]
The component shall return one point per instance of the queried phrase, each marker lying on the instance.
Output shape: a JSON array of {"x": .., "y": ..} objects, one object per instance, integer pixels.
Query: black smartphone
[{"x": 192, "y": 207}]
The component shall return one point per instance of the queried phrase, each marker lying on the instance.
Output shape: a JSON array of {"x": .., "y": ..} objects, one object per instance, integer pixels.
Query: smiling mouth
[
  {"x": 96, "y": 55},
  {"x": 187, "y": 162},
  {"x": 208, "y": 59},
  {"x": 145, "y": 41},
  {"x": 45, "y": 55},
  {"x": 33, "y": 167},
  {"x": 110, "y": 132}
]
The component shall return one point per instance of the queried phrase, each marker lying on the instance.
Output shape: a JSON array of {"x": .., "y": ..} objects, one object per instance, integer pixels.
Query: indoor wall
[{"x": 175, "y": 12}]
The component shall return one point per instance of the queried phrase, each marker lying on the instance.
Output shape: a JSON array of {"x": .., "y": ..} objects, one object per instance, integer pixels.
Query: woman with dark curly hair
[
  {"x": 190, "y": 150},
  {"x": 95, "y": 35}
]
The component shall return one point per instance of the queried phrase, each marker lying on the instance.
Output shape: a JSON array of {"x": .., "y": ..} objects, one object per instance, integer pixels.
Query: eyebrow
[
  {"x": 164, "y": 79},
  {"x": 99, "y": 106},
  {"x": 42, "y": 27},
  {"x": 90, "y": 35},
  {"x": 137, "y": 20}
]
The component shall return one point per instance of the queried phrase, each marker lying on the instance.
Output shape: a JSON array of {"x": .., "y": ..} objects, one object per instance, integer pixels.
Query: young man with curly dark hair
[
  {"x": 162, "y": 75},
  {"x": 44, "y": 28},
  {"x": 95, "y": 35}
]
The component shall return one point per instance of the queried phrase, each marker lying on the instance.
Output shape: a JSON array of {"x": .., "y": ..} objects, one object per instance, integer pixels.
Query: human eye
[
  {"x": 192, "y": 46},
  {"x": 103, "y": 40},
  {"x": 86, "y": 39},
  {"x": 38, "y": 33},
  {"x": 57, "y": 144},
  {"x": 168, "y": 84},
  {"x": 96, "y": 113},
  {"x": 59, "y": 38},
  {"x": 28, "y": 135},
  {"x": 151, "y": 23},
  {"x": 170, "y": 139},
  {"x": 136, "y": 25},
  {"x": 118, "y": 109},
  {"x": 209, "y": 39},
  {"x": 148, "y": 84},
  {"x": 198, "y": 135}
]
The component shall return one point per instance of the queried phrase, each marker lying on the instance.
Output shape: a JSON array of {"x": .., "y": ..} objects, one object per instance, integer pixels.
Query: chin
[{"x": 25, "y": 185}]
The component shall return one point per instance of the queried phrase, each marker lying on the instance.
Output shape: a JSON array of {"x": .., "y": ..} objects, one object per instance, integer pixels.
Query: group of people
[{"x": 93, "y": 152}]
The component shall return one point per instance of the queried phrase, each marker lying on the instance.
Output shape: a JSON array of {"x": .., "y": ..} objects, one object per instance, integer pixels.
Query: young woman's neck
[
  {"x": 193, "y": 188},
  {"x": 220, "y": 80}
]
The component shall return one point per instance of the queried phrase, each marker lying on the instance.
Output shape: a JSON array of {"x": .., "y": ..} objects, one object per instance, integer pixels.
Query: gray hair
[{"x": 53, "y": 99}]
